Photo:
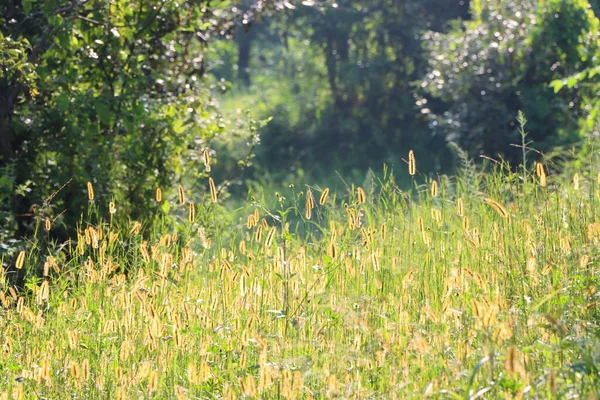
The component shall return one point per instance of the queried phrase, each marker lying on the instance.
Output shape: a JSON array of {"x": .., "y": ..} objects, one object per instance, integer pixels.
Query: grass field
[{"x": 479, "y": 286}]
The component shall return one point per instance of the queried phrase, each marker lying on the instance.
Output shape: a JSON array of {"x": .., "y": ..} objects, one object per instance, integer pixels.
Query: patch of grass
[{"x": 480, "y": 286}]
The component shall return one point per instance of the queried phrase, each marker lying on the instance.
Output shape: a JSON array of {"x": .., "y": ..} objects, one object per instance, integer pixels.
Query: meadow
[{"x": 482, "y": 285}]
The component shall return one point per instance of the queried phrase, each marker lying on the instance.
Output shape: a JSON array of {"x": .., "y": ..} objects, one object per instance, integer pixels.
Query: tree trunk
[
  {"x": 244, "y": 40},
  {"x": 330, "y": 60}
]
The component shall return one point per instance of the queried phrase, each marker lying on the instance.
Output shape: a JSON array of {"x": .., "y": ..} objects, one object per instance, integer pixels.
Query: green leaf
[
  {"x": 178, "y": 126},
  {"x": 557, "y": 85},
  {"x": 27, "y": 5}
]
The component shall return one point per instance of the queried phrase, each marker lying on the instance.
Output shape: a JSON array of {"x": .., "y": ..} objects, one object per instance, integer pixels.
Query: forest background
[{"x": 132, "y": 95}]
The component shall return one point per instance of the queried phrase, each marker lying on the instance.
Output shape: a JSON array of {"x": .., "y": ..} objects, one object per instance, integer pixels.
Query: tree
[
  {"x": 110, "y": 92},
  {"x": 369, "y": 52},
  {"x": 484, "y": 71}
]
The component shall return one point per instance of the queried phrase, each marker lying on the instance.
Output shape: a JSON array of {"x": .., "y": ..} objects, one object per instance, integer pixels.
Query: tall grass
[{"x": 484, "y": 285}]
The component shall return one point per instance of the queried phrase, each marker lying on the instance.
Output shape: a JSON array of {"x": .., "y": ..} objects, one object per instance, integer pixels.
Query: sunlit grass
[{"x": 456, "y": 288}]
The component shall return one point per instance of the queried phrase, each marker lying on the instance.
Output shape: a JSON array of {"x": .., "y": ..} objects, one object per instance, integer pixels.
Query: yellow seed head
[
  {"x": 48, "y": 224},
  {"x": 46, "y": 368},
  {"x": 85, "y": 370},
  {"x": 112, "y": 208},
  {"x": 584, "y": 261},
  {"x": 135, "y": 229},
  {"x": 181, "y": 194},
  {"x": 332, "y": 249},
  {"x": 434, "y": 189},
  {"x": 213, "y": 190},
  {"x": 158, "y": 195},
  {"x": 421, "y": 224},
  {"x": 460, "y": 207},
  {"x": 541, "y": 173},
  {"x": 323, "y": 198},
  {"x": 310, "y": 204},
  {"x": 465, "y": 223},
  {"x": 206, "y": 158},
  {"x": 362, "y": 197},
  {"x": 90, "y": 189},
  {"x": 258, "y": 234},
  {"x": 512, "y": 362},
  {"x": 270, "y": 236},
  {"x": 192, "y": 213},
  {"x": 497, "y": 206},
  {"x": 192, "y": 373},
  {"x": 310, "y": 198},
  {"x": 412, "y": 165},
  {"x": 576, "y": 181},
  {"x": 74, "y": 370},
  {"x": 20, "y": 260},
  {"x": 153, "y": 381}
]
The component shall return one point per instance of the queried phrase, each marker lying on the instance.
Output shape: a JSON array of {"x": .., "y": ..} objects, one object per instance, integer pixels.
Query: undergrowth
[{"x": 481, "y": 285}]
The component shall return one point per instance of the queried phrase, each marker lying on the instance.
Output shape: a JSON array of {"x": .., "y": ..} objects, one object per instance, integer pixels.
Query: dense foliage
[
  {"x": 351, "y": 84},
  {"x": 118, "y": 101},
  {"x": 437, "y": 291},
  {"x": 130, "y": 268},
  {"x": 503, "y": 60}
]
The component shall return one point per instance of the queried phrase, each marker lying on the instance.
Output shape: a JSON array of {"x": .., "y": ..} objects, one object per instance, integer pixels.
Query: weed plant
[{"x": 484, "y": 285}]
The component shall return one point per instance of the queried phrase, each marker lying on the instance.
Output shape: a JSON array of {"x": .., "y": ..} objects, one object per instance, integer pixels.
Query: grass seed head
[
  {"x": 497, "y": 206},
  {"x": 460, "y": 208},
  {"x": 192, "y": 213},
  {"x": 412, "y": 165},
  {"x": 90, "y": 190},
  {"x": 309, "y": 206},
  {"x": 541, "y": 174},
  {"x": 323, "y": 198},
  {"x": 213, "y": 191},
  {"x": 362, "y": 197},
  {"x": 206, "y": 159},
  {"x": 181, "y": 194},
  {"x": 20, "y": 260},
  {"x": 421, "y": 224}
]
